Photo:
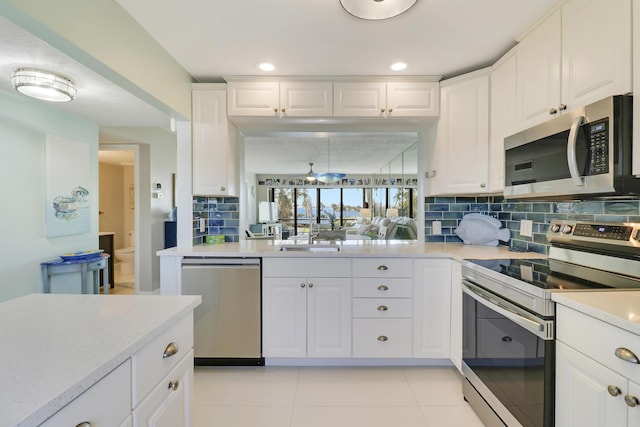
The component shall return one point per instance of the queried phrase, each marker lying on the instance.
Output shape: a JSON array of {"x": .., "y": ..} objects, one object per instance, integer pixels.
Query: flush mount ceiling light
[
  {"x": 398, "y": 66},
  {"x": 266, "y": 66},
  {"x": 377, "y": 9},
  {"x": 44, "y": 85}
]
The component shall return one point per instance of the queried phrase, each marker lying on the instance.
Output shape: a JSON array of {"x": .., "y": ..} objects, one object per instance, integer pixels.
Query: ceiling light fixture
[
  {"x": 377, "y": 9},
  {"x": 398, "y": 66},
  {"x": 266, "y": 66},
  {"x": 329, "y": 177},
  {"x": 310, "y": 175},
  {"x": 44, "y": 85}
]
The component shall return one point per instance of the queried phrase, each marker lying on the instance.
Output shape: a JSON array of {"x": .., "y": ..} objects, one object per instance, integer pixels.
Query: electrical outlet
[
  {"x": 436, "y": 228},
  {"x": 526, "y": 228}
]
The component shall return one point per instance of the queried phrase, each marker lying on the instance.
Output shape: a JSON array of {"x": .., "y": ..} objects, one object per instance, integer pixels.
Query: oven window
[{"x": 513, "y": 363}]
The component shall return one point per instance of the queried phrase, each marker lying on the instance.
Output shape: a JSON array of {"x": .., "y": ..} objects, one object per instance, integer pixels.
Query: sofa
[{"x": 397, "y": 228}]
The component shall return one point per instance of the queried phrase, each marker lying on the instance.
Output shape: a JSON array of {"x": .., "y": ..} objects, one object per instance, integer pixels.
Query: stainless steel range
[{"x": 509, "y": 318}]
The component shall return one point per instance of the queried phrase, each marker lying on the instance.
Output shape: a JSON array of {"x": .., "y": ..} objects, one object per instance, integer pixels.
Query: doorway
[{"x": 118, "y": 211}]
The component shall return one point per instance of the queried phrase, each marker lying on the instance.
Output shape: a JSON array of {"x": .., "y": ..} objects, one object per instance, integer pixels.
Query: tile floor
[{"x": 330, "y": 396}]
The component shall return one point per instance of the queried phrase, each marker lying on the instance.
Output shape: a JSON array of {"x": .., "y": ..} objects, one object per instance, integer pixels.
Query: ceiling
[{"x": 214, "y": 39}]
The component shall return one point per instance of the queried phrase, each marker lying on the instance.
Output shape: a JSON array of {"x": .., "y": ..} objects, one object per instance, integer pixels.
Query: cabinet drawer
[
  {"x": 149, "y": 365},
  {"x": 382, "y": 337},
  {"x": 382, "y": 307},
  {"x": 382, "y": 288},
  {"x": 168, "y": 402},
  {"x": 306, "y": 267},
  {"x": 597, "y": 340},
  {"x": 106, "y": 404},
  {"x": 383, "y": 267}
]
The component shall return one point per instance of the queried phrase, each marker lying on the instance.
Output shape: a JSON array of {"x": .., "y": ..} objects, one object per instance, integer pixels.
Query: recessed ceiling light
[
  {"x": 266, "y": 66},
  {"x": 398, "y": 66}
]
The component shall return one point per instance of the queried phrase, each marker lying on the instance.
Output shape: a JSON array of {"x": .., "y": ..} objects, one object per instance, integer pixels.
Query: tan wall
[{"x": 112, "y": 201}]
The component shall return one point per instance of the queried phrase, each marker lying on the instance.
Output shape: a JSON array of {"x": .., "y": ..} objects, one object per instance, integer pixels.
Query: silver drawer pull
[
  {"x": 627, "y": 355},
  {"x": 170, "y": 350},
  {"x": 614, "y": 390},
  {"x": 382, "y": 268},
  {"x": 383, "y": 338},
  {"x": 631, "y": 401},
  {"x": 383, "y": 288},
  {"x": 84, "y": 424},
  {"x": 383, "y": 308},
  {"x": 173, "y": 385}
]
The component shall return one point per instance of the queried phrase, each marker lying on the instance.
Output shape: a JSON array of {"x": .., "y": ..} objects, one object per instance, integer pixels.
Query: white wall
[{"x": 24, "y": 125}]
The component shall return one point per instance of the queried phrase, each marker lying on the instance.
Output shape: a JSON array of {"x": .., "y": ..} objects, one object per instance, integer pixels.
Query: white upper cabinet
[
  {"x": 213, "y": 156},
  {"x": 459, "y": 162},
  {"x": 578, "y": 55},
  {"x": 502, "y": 116},
  {"x": 380, "y": 99},
  {"x": 280, "y": 99}
]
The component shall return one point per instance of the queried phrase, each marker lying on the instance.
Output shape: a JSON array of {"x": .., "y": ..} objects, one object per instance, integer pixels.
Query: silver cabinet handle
[
  {"x": 223, "y": 188},
  {"x": 173, "y": 385},
  {"x": 170, "y": 350},
  {"x": 382, "y": 268},
  {"x": 627, "y": 355},
  {"x": 562, "y": 107},
  {"x": 383, "y": 288},
  {"x": 552, "y": 111},
  {"x": 390, "y": 110},
  {"x": 614, "y": 390},
  {"x": 302, "y": 285},
  {"x": 84, "y": 424},
  {"x": 275, "y": 110},
  {"x": 283, "y": 110},
  {"x": 631, "y": 401},
  {"x": 383, "y": 338},
  {"x": 311, "y": 285},
  {"x": 383, "y": 308},
  {"x": 382, "y": 110}
]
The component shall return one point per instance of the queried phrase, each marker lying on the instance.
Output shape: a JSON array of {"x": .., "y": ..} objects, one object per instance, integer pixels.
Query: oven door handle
[{"x": 542, "y": 328}]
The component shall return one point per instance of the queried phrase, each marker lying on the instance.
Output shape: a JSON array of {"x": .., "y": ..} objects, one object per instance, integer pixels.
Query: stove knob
[
  {"x": 555, "y": 227},
  {"x": 567, "y": 229}
]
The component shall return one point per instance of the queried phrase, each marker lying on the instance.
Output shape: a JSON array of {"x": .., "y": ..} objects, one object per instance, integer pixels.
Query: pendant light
[
  {"x": 310, "y": 175},
  {"x": 377, "y": 9},
  {"x": 329, "y": 177},
  {"x": 44, "y": 85}
]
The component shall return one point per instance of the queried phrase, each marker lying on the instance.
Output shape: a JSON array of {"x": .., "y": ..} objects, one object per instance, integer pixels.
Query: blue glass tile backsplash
[
  {"x": 450, "y": 210},
  {"x": 222, "y": 217}
]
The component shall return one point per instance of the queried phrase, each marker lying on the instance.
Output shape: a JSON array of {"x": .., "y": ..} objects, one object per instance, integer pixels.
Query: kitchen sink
[{"x": 310, "y": 248}]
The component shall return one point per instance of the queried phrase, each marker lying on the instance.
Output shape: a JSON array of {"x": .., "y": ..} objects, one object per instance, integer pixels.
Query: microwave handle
[{"x": 571, "y": 151}]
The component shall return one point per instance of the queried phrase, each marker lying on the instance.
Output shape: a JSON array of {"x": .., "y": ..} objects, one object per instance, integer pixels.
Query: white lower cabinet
[
  {"x": 594, "y": 388},
  {"x": 432, "y": 308},
  {"x": 106, "y": 404},
  {"x": 306, "y": 308},
  {"x": 168, "y": 404}
]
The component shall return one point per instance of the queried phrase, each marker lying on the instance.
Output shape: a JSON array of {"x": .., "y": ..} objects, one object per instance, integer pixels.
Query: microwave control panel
[{"x": 598, "y": 145}]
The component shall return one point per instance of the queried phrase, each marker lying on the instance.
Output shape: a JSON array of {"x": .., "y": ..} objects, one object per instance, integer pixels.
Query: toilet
[{"x": 127, "y": 256}]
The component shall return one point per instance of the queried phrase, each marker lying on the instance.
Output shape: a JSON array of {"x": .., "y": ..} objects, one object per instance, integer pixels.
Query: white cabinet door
[
  {"x": 432, "y": 308},
  {"x": 413, "y": 99},
  {"x": 284, "y": 315},
  {"x": 306, "y": 99},
  {"x": 461, "y": 155},
  {"x": 168, "y": 404},
  {"x": 502, "y": 116},
  {"x": 329, "y": 317},
  {"x": 258, "y": 99},
  {"x": 213, "y": 154},
  {"x": 582, "y": 392},
  {"x": 596, "y": 50},
  {"x": 538, "y": 68},
  {"x": 359, "y": 99}
]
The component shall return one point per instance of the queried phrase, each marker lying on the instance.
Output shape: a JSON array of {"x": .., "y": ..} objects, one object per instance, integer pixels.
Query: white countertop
[
  {"x": 619, "y": 308},
  {"x": 54, "y": 346},
  {"x": 386, "y": 248}
]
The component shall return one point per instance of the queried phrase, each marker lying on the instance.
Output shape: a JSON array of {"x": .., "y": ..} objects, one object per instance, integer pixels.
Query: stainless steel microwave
[{"x": 584, "y": 152}]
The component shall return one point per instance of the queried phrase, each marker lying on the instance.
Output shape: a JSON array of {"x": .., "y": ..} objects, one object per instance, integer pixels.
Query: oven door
[{"x": 508, "y": 358}]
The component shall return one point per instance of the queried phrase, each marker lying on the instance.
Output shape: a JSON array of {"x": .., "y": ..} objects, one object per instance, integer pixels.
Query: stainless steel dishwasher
[{"x": 227, "y": 327}]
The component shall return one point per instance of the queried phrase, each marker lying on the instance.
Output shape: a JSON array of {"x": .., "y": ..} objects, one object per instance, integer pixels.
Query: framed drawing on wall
[{"x": 68, "y": 190}]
